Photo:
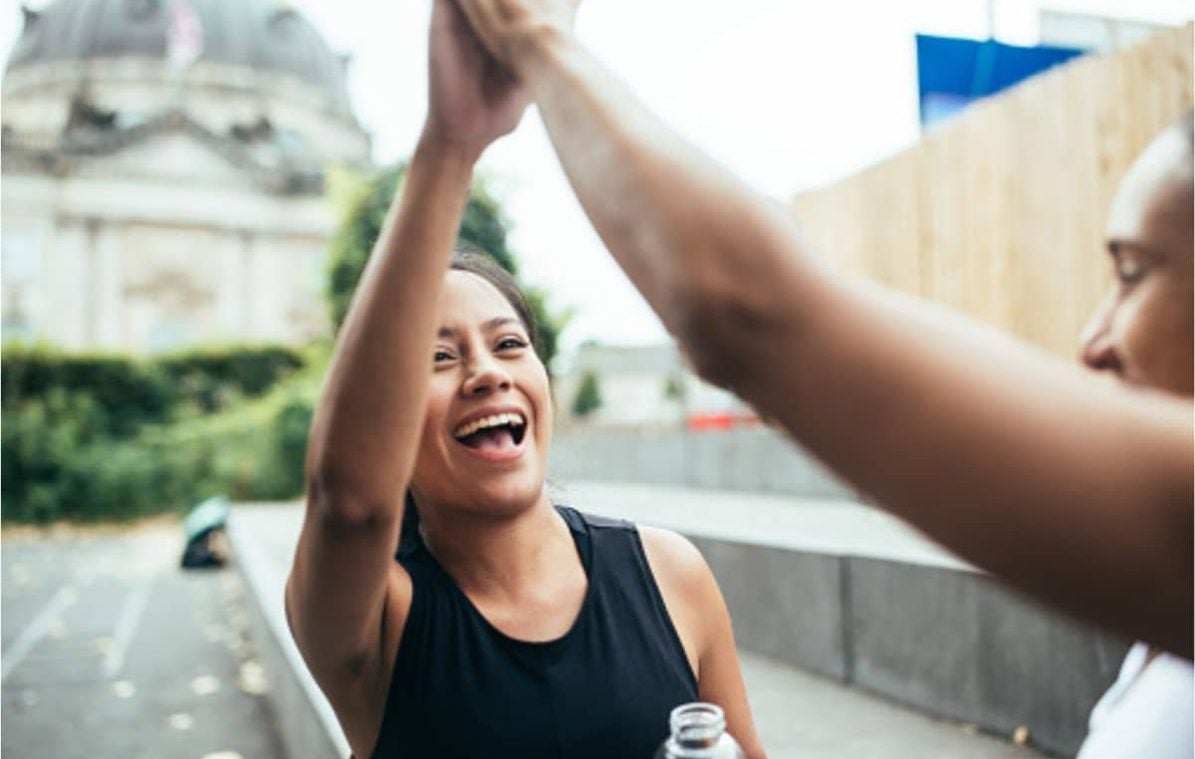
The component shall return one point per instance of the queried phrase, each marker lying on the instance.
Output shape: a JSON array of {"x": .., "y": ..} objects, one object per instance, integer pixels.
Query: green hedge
[
  {"x": 89, "y": 437},
  {"x": 127, "y": 393},
  {"x": 209, "y": 377},
  {"x": 135, "y": 392}
]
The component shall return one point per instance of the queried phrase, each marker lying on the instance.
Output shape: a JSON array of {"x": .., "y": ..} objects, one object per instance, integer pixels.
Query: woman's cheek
[{"x": 1152, "y": 334}]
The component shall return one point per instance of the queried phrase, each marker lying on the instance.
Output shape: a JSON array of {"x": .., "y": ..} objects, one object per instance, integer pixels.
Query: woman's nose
[
  {"x": 485, "y": 376},
  {"x": 1097, "y": 346}
]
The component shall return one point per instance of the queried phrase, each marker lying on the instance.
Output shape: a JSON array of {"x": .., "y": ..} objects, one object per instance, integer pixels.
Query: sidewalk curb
[{"x": 306, "y": 723}]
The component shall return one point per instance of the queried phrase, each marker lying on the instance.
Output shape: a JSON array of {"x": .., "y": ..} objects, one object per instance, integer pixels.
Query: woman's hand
[{"x": 473, "y": 100}]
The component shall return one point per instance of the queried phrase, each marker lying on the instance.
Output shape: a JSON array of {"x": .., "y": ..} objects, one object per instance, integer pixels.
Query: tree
[
  {"x": 589, "y": 395},
  {"x": 675, "y": 388},
  {"x": 364, "y": 201}
]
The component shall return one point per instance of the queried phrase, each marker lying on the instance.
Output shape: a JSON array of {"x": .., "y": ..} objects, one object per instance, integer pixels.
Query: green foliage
[
  {"x": 675, "y": 388},
  {"x": 210, "y": 376},
  {"x": 282, "y": 473},
  {"x": 74, "y": 448},
  {"x": 135, "y": 392},
  {"x": 484, "y": 226},
  {"x": 589, "y": 396},
  {"x": 127, "y": 394},
  {"x": 364, "y": 202}
]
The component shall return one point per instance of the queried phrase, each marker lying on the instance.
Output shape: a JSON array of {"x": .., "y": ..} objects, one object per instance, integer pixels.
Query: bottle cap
[{"x": 698, "y": 724}]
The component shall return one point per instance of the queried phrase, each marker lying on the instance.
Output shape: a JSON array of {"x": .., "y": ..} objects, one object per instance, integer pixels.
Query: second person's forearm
[{"x": 675, "y": 220}]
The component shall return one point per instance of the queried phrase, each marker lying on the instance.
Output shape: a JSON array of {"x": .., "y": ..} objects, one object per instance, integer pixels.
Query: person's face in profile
[
  {"x": 488, "y": 421},
  {"x": 1142, "y": 330}
]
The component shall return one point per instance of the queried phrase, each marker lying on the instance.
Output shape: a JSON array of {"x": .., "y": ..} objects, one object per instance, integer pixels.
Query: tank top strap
[
  {"x": 621, "y": 574},
  {"x": 577, "y": 524}
]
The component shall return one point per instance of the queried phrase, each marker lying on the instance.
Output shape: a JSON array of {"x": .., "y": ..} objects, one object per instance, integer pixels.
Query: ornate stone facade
[{"x": 151, "y": 203}]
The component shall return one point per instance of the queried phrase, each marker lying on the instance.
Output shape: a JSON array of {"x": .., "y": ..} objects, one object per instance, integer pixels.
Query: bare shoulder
[
  {"x": 689, "y": 590},
  {"x": 671, "y": 552},
  {"x": 679, "y": 568}
]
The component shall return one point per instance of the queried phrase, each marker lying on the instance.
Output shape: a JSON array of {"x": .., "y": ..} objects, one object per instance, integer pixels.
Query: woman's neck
[{"x": 499, "y": 556}]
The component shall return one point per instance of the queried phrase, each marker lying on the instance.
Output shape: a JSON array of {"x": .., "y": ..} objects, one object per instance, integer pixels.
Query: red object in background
[{"x": 722, "y": 420}]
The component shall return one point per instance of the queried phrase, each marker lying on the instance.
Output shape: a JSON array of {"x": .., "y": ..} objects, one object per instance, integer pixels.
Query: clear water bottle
[{"x": 699, "y": 732}]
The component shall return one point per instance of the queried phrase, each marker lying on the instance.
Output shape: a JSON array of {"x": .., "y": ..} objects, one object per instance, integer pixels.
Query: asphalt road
[{"x": 110, "y": 650}]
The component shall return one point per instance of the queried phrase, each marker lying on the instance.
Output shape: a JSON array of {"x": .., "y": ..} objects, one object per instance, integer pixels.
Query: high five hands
[
  {"x": 475, "y": 93},
  {"x": 472, "y": 98},
  {"x": 508, "y": 27}
]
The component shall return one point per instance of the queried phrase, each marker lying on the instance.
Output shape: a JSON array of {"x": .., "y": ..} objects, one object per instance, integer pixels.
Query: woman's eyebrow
[
  {"x": 490, "y": 325},
  {"x": 498, "y": 322},
  {"x": 1119, "y": 246}
]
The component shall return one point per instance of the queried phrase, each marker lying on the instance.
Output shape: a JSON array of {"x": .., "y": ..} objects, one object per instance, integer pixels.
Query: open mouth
[{"x": 496, "y": 434}]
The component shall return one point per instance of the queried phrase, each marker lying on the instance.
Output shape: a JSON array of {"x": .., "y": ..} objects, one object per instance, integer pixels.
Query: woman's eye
[
  {"x": 1129, "y": 268},
  {"x": 442, "y": 356},
  {"x": 508, "y": 343}
]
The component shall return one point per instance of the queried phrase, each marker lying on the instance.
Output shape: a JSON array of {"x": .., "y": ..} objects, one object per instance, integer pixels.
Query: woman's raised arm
[{"x": 347, "y": 597}]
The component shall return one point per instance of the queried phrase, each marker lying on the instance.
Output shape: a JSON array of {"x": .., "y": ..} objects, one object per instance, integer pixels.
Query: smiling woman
[
  {"x": 489, "y": 411},
  {"x": 506, "y": 625}
]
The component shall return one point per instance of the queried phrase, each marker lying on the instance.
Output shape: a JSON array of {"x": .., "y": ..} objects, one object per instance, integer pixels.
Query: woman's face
[
  {"x": 1142, "y": 330},
  {"x": 489, "y": 416}
]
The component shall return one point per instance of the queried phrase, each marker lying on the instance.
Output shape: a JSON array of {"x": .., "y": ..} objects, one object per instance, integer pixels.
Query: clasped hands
[{"x": 479, "y": 58}]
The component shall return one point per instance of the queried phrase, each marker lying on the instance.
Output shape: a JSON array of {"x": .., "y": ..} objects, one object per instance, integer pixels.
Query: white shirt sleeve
[{"x": 1149, "y": 712}]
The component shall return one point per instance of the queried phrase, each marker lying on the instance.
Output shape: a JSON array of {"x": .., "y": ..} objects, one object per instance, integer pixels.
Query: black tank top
[{"x": 461, "y": 688}]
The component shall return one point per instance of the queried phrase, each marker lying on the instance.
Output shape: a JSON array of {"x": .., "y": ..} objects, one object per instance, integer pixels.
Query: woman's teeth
[{"x": 496, "y": 420}]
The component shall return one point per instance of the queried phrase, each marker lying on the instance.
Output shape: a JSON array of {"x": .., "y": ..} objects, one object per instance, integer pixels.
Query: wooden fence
[{"x": 1000, "y": 213}]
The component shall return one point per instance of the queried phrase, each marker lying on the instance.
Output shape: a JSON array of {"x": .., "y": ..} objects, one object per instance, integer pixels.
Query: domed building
[{"x": 163, "y": 171}]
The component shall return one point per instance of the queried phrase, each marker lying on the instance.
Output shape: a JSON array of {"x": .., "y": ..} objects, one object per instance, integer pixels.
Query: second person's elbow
[{"x": 718, "y": 327}]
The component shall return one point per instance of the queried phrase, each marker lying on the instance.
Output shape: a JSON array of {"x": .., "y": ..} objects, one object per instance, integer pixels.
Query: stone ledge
[
  {"x": 952, "y": 644},
  {"x": 262, "y": 538}
]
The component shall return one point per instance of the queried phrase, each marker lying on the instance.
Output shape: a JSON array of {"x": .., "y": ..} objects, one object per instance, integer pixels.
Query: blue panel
[{"x": 952, "y": 72}]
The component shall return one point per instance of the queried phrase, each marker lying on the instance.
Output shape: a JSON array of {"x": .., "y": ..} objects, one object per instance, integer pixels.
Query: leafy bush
[
  {"x": 128, "y": 394},
  {"x": 281, "y": 451},
  {"x": 135, "y": 392},
  {"x": 71, "y": 451},
  {"x": 212, "y": 377}
]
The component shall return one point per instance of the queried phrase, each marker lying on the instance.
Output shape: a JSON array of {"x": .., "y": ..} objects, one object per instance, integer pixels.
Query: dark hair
[{"x": 469, "y": 258}]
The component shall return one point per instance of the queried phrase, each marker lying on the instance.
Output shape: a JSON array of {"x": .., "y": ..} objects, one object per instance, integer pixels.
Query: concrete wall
[
  {"x": 751, "y": 459},
  {"x": 949, "y": 642}
]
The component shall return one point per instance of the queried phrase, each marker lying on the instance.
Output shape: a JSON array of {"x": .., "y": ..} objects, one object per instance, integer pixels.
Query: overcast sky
[{"x": 788, "y": 95}]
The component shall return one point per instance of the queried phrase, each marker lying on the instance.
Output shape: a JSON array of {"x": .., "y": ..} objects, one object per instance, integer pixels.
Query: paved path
[
  {"x": 111, "y": 651},
  {"x": 799, "y": 716}
]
